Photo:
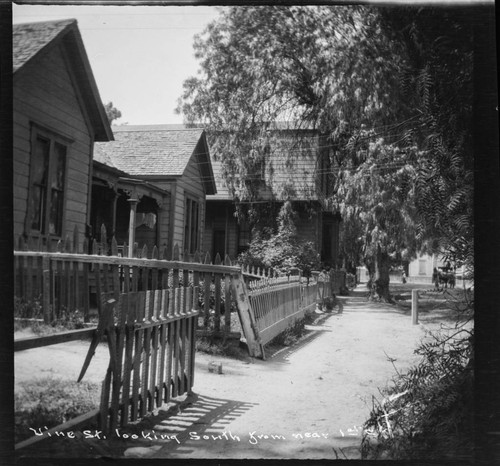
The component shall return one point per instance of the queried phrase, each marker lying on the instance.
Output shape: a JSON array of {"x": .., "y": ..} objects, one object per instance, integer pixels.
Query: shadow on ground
[
  {"x": 281, "y": 354},
  {"x": 191, "y": 419}
]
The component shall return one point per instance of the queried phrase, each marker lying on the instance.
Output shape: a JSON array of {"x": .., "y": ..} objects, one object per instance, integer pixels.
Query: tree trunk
[{"x": 380, "y": 282}]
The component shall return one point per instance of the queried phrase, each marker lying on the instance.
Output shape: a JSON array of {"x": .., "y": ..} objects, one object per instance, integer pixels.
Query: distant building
[
  {"x": 303, "y": 175},
  {"x": 420, "y": 269}
]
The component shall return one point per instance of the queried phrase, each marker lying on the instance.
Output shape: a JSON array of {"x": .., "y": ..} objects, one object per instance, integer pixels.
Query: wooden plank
[
  {"x": 128, "y": 306},
  {"x": 60, "y": 289},
  {"x": 190, "y": 342},
  {"x": 68, "y": 294},
  {"x": 37, "y": 342},
  {"x": 227, "y": 301},
  {"x": 162, "y": 387},
  {"x": 161, "y": 264},
  {"x": 170, "y": 355},
  {"x": 138, "y": 356},
  {"x": 183, "y": 343},
  {"x": 247, "y": 319},
  {"x": 29, "y": 279},
  {"x": 193, "y": 325},
  {"x": 146, "y": 336},
  {"x": 207, "y": 279},
  {"x": 104, "y": 408},
  {"x": 217, "y": 283},
  {"x": 176, "y": 325},
  {"x": 154, "y": 349},
  {"x": 46, "y": 265},
  {"x": 119, "y": 336}
]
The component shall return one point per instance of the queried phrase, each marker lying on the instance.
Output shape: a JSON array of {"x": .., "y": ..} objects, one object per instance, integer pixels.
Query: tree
[
  {"x": 377, "y": 85},
  {"x": 111, "y": 112}
]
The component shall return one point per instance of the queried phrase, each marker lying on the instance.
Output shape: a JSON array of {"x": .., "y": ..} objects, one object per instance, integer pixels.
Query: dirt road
[{"x": 308, "y": 401}]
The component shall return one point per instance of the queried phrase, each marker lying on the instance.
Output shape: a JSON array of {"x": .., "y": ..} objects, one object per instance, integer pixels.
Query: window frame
[{"x": 54, "y": 139}]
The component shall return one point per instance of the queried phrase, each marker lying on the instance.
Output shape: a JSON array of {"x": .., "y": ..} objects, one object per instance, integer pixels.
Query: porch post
[
  {"x": 131, "y": 226},
  {"x": 113, "y": 214}
]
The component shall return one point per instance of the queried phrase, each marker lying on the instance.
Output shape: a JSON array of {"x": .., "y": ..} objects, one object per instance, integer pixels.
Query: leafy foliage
[
  {"x": 112, "y": 112},
  {"x": 428, "y": 412},
  {"x": 388, "y": 83},
  {"x": 282, "y": 250}
]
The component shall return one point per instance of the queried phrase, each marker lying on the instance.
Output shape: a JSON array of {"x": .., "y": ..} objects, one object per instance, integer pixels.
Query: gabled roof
[
  {"x": 32, "y": 40},
  {"x": 157, "y": 151}
]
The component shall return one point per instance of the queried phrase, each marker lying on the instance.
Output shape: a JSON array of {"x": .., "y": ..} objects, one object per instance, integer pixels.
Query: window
[
  {"x": 422, "y": 266},
  {"x": 191, "y": 226},
  {"x": 48, "y": 174}
]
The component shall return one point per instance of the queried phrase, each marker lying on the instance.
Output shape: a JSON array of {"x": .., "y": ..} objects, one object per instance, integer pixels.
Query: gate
[{"x": 151, "y": 340}]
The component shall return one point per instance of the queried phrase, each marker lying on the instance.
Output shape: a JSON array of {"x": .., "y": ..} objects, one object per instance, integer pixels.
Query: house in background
[
  {"x": 298, "y": 170},
  {"x": 150, "y": 186},
  {"x": 420, "y": 269},
  {"x": 57, "y": 117}
]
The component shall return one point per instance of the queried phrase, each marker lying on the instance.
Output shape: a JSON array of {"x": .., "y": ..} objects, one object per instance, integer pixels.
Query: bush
[
  {"x": 48, "y": 402},
  {"x": 24, "y": 309},
  {"x": 428, "y": 412},
  {"x": 283, "y": 250}
]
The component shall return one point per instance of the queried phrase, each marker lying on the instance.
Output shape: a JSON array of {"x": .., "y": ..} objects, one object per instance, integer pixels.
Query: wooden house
[
  {"x": 150, "y": 185},
  {"x": 57, "y": 117},
  {"x": 296, "y": 169}
]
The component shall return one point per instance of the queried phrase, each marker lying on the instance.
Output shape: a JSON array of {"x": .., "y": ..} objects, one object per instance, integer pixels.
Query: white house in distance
[{"x": 420, "y": 269}]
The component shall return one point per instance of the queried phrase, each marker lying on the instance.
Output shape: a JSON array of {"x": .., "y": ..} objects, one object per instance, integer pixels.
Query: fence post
[
  {"x": 414, "y": 307},
  {"x": 47, "y": 317}
]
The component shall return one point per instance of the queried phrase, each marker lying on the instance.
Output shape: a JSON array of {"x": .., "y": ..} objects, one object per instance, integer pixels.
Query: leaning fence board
[{"x": 37, "y": 342}]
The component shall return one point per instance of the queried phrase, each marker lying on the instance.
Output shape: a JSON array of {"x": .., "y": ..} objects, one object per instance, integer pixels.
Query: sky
[{"x": 140, "y": 56}]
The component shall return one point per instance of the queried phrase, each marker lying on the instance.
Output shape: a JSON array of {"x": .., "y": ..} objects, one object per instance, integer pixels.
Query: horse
[{"x": 445, "y": 278}]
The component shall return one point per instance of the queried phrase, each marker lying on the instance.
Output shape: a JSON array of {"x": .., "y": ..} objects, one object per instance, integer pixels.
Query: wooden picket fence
[
  {"x": 150, "y": 307},
  {"x": 67, "y": 280},
  {"x": 267, "y": 306}
]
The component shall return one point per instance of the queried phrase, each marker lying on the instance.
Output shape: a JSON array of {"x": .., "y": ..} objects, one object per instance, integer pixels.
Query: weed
[{"x": 48, "y": 402}]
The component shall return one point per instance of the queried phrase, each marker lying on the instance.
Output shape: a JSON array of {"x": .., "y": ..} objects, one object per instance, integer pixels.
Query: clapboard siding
[
  {"x": 44, "y": 94},
  {"x": 189, "y": 185}
]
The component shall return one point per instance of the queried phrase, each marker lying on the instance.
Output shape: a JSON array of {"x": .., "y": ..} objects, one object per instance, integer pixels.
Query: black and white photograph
[{"x": 247, "y": 231}]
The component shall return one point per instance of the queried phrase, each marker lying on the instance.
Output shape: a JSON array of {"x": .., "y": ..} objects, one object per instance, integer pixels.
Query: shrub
[
  {"x": 428, "y": 412},
  {"x": 48, "y": 402},
  {"x": 28, "y": 309},
  {"x": 283, "y": 250}
]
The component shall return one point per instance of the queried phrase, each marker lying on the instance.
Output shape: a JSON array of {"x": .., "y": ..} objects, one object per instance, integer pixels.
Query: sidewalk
[{"x": 308, "y": 401}]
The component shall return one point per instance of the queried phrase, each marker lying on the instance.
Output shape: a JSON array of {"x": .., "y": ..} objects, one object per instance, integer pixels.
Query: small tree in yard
[{"x": 281, "y": 249}]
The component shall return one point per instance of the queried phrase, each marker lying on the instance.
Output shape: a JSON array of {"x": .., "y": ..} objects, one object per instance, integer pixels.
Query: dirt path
[{"x": 307, "y": 401}]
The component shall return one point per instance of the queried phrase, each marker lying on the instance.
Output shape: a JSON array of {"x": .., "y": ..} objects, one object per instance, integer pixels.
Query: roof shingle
[
  {"x": 29, "y": 38},
  {"x": 153, "y": 150}
]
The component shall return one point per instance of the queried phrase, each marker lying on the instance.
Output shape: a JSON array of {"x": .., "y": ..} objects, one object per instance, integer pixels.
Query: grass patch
[
  {"x": 217, "y": 347},
  {"x": 48, "y": 402}
]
